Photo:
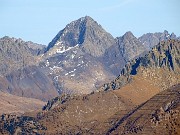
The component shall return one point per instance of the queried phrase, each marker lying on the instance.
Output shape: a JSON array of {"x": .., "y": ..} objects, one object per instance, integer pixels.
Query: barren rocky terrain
[{"x": 92, "y": 83}]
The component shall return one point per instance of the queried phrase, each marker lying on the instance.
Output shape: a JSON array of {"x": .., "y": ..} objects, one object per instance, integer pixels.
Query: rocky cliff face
[
  {"x": 151, "y": 39},
  {"x": 36, "y": 49},
  {"x": 82, "y": 57},
  {"x": 161, "y": 65},
  {"x": 130, "y": 46},
  {"x": 84, "y": 32},
  {"x": 16, "y": 53},
  {"x": 18, "y": 73}
]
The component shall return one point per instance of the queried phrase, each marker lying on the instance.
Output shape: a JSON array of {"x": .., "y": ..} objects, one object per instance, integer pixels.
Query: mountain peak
[
  {"x": 87, "y": 18},
  {"x": 84, "y": 32},
  {"x": 130, "y": 46},
  {"x": 165, "y": 32},
  {"x": 129, "y": 33}
]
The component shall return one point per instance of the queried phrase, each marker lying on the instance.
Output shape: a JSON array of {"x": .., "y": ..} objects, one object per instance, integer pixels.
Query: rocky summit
[
  {"x": 130, "y": 46},
  {"x": 85, "y": 33},
  {"x": 82, "y": 57}
]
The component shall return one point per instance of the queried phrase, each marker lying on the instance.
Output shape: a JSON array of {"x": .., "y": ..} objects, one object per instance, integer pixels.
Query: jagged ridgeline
[
  {"x": 161, "y": 65},
  {"x": 79, "y": 59}
]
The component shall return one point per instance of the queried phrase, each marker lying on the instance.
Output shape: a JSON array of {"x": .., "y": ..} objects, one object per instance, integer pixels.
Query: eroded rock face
[
  {"x": 84, "y": 32},
  {"x": 78, "y": 60},
  {"x": 18, "y": 73},
  {"x": 151, "y": 39},
  {"x": 130, "y": 46},
  {"x": 161, "y": 65},
  {"x": 82, "y": 57},
  {"x": 14, "y": 55}
]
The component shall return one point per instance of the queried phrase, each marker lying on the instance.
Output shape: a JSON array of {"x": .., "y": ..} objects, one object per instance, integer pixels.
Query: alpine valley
[{"x": 85, "y": 81}]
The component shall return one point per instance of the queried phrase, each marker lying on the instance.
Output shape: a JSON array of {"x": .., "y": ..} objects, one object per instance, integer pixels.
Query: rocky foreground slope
[
  {"x": 101, "y": 113},
  {"x": 159, "y": 115}
]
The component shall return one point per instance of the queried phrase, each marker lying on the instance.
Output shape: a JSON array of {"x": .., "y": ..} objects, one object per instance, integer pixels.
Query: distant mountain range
[
  {"x": 80, "y": 59},
  {"x": 94, "y": 83}
]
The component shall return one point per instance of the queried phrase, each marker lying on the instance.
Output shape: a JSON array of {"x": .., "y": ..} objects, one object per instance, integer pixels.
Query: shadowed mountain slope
[
  {"x": 14, "y": 54},
  {"x": 29, "y": 82},
  {"x": 80, "y": 59}
]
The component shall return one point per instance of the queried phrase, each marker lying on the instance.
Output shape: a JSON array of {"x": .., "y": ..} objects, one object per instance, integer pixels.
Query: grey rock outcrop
[
  {"x": 151, "y": 39},
  {"x": 162, "y": 61},
  {"x": 84, "y": 32},
  {"x": 130, "y": 46}
]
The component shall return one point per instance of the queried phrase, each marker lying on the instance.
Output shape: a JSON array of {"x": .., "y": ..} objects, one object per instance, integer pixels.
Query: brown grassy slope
[
  {"x": 139, "y": 90},
  {"x": 88, "y": 114},
  {"x": 15, "y": 104},
  {"x": 159, "y": 115},
  {"x": 85, "y": 114},
  {"x": 103, "y": 113}
]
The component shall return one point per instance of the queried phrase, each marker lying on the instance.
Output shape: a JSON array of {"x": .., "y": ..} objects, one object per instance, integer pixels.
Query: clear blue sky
[{"x": 40, "y": 20}]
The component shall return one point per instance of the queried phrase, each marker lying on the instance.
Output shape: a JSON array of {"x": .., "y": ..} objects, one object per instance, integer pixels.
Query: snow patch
[
  {"x": 56, "y": 78},
  {"x": 56, "y": 67},
  {"x": 72, "y": 56},
  {"x": 47, "y": 63},
  {"x": 72, "y": 71},
  {"x": 79, "y": 65},
  {"x": 62, "y": 49},
  {"x": 73, "y": 75}
]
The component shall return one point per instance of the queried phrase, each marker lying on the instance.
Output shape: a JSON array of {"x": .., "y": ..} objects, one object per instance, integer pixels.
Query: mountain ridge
[
  {"x": 69, "y": 74},
  {"x": 164, "y": 56},
  {"x": 68, "y": 63},
  {"x": 83, "y": 32}
]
